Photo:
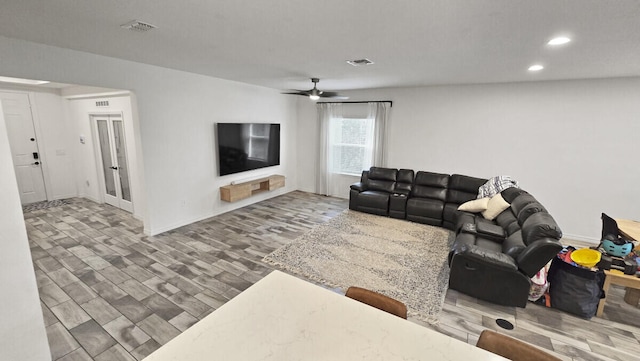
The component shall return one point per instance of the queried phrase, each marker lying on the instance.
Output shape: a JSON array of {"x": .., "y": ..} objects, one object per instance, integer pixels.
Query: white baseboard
[{"x": 567, "y": 238}]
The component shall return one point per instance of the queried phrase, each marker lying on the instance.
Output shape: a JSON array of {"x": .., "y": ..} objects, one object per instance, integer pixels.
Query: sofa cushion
[
  {"x": 388, "y": 174},
  {"x": 508, "y": 221},
  {"x": 405, "y": 176},
  {"x": 464, "y": 217},
  {"x": 364, "y": 179},
  {"x": 424, "y": 207},
  {"x": 430, "y": 185},
  {"x": 381, "y": 179},
  {"x": 488, "y": 244},
  {"x": 521, "y": 201},
  {"x": 528, "y": 210},
  {"x": 429, "y": 192},
  {"x": 484, "y": 251},
  {"x": 450, "y": 213},
  {"x": 475, "y": 206},
  {"x": 540, "y": 225},
  {"x": 496, "y": 205},
  {"x": 404, "y": 181},
  {"x": 381, "y": 185},
  {"x": 374, "y": 199},
  {"x": 513, "y": 245},
  {"x": 511, "y": 193},
  {"x": 437, "y": 180},
  {"x": 466, "y": 183},
  {"x": 463, "y": 188}
]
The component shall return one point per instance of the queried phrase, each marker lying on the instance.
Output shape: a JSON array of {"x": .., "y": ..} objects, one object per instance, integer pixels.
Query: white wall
[
  {"x": 22, "y": 334},
  {"x": 177, "y": 113},
  {"x": 572, "y": 144}
]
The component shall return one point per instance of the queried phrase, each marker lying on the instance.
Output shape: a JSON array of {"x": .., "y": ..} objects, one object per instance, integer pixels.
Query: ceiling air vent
[
  {"x": 139, "y": 26},
  {"x": 360, "y": 62},
  {"x": 102, "y": 103}
]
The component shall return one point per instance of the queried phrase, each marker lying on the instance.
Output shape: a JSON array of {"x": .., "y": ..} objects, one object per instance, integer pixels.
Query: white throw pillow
[
  {"x": 475, "y": 206},
  {"x": 497, "y": 205}
]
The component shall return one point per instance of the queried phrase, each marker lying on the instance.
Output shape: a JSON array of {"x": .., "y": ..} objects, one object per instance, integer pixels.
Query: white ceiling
[{"x": 282, "y": 43}]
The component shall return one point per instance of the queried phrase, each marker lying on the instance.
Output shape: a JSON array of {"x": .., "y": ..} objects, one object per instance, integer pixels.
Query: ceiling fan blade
[
  {"x": 303, "y": 93},
  {"x": 333, "y": 95}
]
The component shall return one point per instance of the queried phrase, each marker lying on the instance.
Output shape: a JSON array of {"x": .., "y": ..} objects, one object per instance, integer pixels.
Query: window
[
  {"x": 259, "y": 141},
  {"x": 350, "y": 145}
]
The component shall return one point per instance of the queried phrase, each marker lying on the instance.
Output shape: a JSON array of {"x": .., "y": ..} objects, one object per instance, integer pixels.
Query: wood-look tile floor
[{"x": 108, "y": 292}]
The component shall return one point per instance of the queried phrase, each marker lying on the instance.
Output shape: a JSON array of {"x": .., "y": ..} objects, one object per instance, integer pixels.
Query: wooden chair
[
  {"x": 378, "y": 301},
  {"x": 511, "y": 348}
]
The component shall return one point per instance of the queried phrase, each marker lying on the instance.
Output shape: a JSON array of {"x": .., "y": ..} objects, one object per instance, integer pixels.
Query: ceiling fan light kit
[{"x": 315, "y": 93}]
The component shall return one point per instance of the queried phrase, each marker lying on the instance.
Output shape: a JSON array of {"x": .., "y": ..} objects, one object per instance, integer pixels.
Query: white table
[{"x": 284, "y": 318}]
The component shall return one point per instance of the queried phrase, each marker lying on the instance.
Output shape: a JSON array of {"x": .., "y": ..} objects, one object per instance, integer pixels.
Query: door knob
[
  {"x": 114, "y": 168},
  {"x": 36, "y": 163}
]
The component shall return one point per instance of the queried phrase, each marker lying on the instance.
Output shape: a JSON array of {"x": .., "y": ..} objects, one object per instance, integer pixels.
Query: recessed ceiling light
[
  {"x": 536, "y": 67},
  {"x": 559, "y": 40},
  {"x": 7, "y": 79}
]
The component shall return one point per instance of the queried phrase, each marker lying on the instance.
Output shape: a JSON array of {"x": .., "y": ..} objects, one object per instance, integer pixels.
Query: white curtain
[
  {"x": 326, "y": 111},
  {"x": 379, "y": 111}
]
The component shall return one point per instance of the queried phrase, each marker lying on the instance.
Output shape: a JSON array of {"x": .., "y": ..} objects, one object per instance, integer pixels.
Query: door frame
[
  {"x": 44, "y": 163},
  {"x": 98, "y": 154}
]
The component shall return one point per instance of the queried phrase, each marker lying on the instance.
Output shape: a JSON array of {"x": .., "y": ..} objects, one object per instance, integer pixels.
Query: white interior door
[
  {"x": 113, "y": 159},
  {"x": 24, "y": 146}
]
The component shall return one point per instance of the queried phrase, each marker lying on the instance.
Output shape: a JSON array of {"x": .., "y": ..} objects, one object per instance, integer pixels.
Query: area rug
[
  {"x": 401, "y": 259},
  {"x": 44, "y": 205}
]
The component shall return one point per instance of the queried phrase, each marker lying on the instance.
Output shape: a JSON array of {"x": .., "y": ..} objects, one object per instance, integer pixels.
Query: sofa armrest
[
  {"x": 538, "y": 254},
  {"x": 358, "y": 187},
  {"x": 484, "y": 256},
  {"x": 462, "y": 217}
]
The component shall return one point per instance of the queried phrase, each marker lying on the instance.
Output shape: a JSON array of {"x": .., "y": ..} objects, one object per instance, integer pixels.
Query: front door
[
  {"x": 113, "y": 157},
  {"x": 24, "y": 146}
]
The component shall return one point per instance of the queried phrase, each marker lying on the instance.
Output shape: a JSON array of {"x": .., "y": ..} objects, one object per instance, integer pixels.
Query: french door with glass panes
[{"x": 113, "y": 159}]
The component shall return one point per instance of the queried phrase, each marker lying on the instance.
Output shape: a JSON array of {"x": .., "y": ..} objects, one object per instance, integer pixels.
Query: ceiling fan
[{"x": 315, "y": 93}]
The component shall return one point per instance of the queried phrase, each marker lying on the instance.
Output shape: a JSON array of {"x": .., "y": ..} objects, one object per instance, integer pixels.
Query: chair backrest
[
  {"x": 404, "y": 181},
  {"x": 382, "y": 179},
  {"x": 378, "y": 301},
  {"x": 462, "y": 188},
  {"x": 430, "y": 185},
  {"x": 511, "y": 348}
]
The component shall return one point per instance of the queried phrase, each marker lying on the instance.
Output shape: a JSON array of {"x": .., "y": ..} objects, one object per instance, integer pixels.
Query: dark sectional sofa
[{"x": 492, "y": 260}]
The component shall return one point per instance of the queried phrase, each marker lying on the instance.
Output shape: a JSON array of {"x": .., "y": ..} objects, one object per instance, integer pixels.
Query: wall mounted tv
[{"x": 247, "y": 146}]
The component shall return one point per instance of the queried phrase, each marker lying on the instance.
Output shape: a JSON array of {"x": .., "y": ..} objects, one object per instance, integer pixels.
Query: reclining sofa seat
[
  {"x": 371, "y": 194},
  {"x": 427, "y": 198},
  {"x": 461, "y": 189},
  {"x": 499, "y": 270}
]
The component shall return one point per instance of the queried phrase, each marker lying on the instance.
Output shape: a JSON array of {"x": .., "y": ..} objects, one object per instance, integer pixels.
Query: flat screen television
[{"x": 247, "y": 146}]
